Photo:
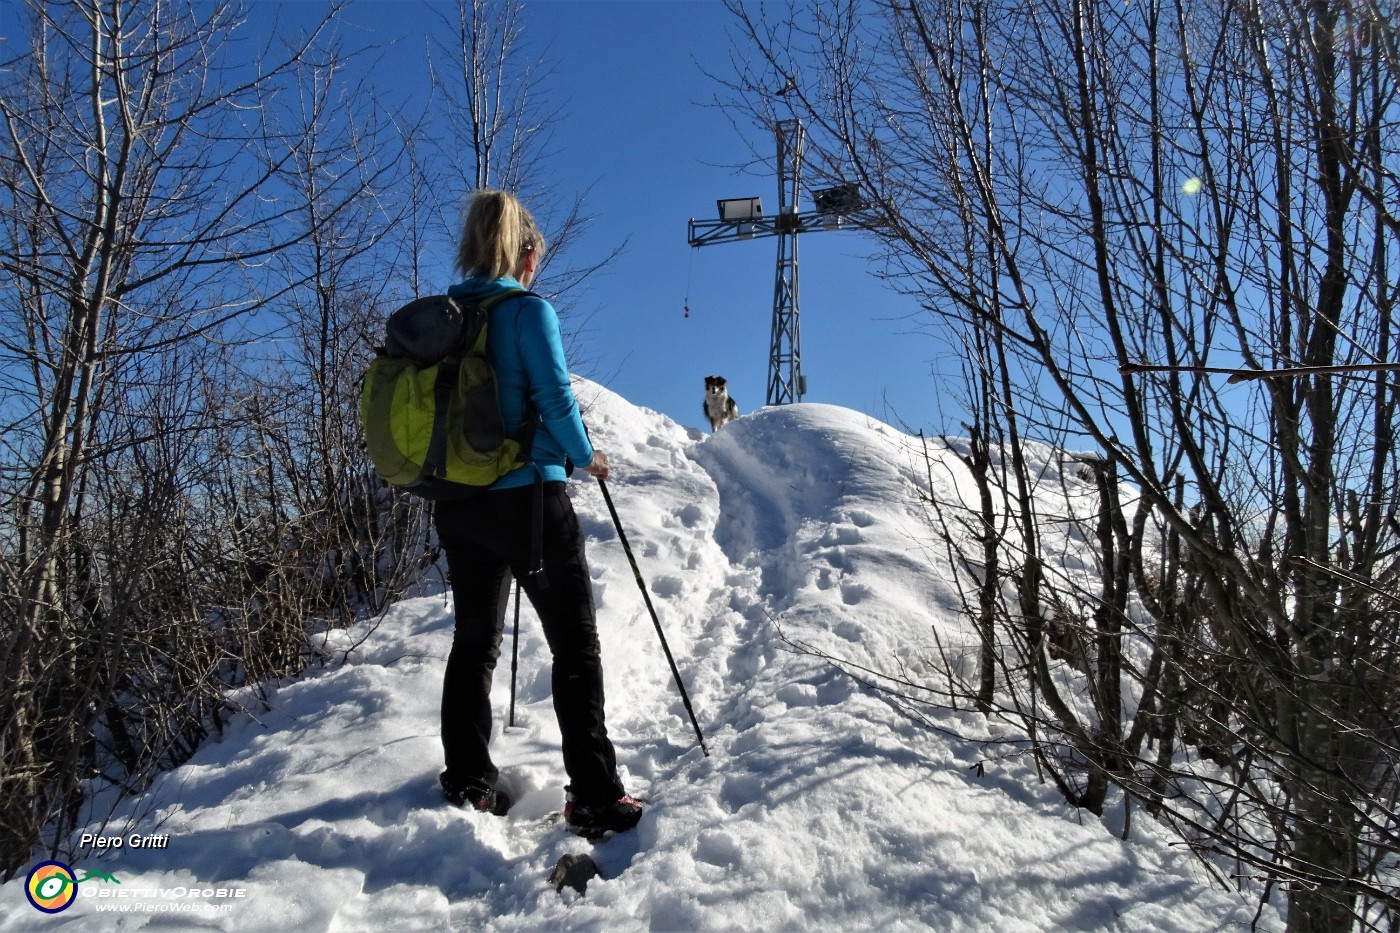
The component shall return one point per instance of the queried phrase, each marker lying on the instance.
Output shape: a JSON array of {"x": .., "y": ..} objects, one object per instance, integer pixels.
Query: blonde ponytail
[{"x": 497, "y": 234}]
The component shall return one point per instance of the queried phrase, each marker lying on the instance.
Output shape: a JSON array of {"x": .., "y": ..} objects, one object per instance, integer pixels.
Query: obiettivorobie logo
[{"x": 52, "y": 886}]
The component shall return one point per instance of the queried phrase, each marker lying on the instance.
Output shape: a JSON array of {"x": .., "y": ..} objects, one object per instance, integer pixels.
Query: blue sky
[{"x": 639, "y": 125}]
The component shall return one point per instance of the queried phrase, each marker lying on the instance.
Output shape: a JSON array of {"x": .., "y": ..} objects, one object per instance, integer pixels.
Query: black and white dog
[{"x": 719, "y": 407}]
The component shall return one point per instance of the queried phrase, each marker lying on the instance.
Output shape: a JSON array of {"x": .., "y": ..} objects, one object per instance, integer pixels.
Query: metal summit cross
[{"x": 838, "y": 208}]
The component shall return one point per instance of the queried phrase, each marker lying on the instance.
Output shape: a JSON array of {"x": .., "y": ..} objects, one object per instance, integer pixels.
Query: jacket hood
[{"x": 478, "y": 287}]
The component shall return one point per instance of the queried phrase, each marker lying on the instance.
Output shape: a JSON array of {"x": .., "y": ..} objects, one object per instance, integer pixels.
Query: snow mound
[{"x": 792, "y": 536}]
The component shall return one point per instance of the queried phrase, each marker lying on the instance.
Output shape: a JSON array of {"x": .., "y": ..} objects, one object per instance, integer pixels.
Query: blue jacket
[{"x": 523, "y": 342}]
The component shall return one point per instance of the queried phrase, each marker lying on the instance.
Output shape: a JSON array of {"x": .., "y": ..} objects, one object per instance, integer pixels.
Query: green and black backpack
[{"x": 429, "y": 405}]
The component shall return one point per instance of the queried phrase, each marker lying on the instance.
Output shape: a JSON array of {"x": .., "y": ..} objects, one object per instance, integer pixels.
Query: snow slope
[{"x": 824, "y": 804}]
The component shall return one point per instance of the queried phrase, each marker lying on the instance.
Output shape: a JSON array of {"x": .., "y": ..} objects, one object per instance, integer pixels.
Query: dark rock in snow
[{"x": 574, "y": 870}]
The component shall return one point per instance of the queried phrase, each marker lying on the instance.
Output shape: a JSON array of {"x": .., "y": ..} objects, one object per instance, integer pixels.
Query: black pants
[{"x": 487, "y": 541}]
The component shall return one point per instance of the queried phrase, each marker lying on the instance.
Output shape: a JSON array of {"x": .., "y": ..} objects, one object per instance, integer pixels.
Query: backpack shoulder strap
[
  {"x": 488, "y": 303},
  {"x": 469, "y": 336},
  {"x": 525, "y": 436}
]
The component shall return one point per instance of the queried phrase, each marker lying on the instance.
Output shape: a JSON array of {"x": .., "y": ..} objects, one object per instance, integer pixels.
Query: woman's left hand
[{"x": 598, "y": 467}]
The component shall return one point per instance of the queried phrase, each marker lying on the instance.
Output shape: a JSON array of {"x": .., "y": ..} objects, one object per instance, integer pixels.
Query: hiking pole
[
  {"x": 646, "y": 597},
  {"x": 514, "y": 652}
]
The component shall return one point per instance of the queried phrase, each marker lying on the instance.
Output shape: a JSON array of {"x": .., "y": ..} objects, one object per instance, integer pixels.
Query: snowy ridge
[{"x": 822, "y": 806}]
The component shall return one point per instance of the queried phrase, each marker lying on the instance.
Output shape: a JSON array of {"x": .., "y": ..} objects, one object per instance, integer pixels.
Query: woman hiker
[{"x": 488, "y": 540}]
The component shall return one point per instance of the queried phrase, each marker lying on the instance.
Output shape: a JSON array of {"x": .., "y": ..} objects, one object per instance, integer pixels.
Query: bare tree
[
  {"x": 497, "y": 129},
  {"x": 144, "y": 157},
  {"x": 1114, "y": 202},
  {"x": 359, "y": 546},
  {"x": 185, "y": 499}
]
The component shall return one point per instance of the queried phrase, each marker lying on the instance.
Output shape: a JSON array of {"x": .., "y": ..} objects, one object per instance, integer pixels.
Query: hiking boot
[
  {"x": 492, "y": 800},
  {"x": 592, "y": 822}
]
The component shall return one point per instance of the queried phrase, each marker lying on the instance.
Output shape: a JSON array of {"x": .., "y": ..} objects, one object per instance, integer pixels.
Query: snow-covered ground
[{"x": 824, "y": 804}]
